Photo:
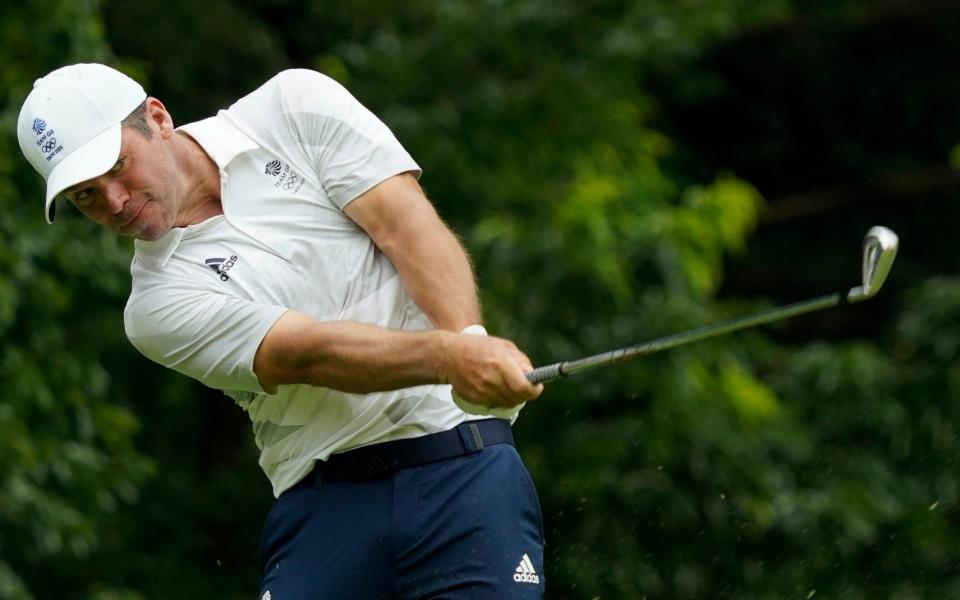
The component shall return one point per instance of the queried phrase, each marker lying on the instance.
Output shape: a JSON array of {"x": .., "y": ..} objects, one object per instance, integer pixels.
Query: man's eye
[
  {"x": 117, "y": 165},
  {"x": 83, "y": 196}
]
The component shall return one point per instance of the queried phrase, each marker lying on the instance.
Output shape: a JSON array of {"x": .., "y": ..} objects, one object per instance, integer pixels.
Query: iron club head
[{"x": 879, "y": 250}]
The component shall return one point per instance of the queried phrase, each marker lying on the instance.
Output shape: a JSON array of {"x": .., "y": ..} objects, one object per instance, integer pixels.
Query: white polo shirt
[{"x": 291, "y": 155}]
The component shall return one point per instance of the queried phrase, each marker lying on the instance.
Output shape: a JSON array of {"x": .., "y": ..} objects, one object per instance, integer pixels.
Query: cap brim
[{"x": 86, "y": 162}]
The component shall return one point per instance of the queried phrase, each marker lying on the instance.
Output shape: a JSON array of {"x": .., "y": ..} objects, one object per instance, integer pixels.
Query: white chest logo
[{"x": 525, "y": 572}]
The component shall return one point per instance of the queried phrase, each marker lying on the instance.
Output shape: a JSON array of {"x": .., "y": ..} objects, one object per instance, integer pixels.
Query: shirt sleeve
[
  {"x": 350, "y": 149},
  {"x": 210, "y": 337}
]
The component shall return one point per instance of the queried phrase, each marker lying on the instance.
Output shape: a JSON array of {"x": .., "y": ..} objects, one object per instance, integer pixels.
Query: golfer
[{"x": 286, "y": 255}]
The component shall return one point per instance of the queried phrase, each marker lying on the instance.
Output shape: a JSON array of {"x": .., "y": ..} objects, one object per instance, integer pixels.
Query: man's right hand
[{"x": 490, "y": 371}]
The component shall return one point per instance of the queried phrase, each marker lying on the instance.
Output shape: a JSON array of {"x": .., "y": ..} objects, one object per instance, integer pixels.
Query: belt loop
[
  {"x": 477, "y": 438},
  {"x": 470, "y": 435}
]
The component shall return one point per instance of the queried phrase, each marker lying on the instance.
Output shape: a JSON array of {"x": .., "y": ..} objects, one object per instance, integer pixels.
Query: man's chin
[{"x": 147, "y": 236}]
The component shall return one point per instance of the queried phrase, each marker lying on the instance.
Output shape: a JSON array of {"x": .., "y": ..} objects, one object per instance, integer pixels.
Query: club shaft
[{"x": 562, "y": 369}]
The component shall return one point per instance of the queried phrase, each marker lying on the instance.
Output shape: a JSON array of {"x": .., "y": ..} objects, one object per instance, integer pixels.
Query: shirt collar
[
  {"x": 218, "y": 138},
  {"x": 222, "y": 142},
  {"x": 159, "y": 251}
]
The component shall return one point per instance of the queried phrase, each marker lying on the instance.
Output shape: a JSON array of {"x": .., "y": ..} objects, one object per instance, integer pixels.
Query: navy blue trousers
[{"x": 466, "y": 527}]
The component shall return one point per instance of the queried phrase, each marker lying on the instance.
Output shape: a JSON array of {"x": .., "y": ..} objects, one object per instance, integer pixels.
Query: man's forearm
[
  {"x": 360, "y": 358},
  {"x": 430, "y": 259},
  {"x": 351, "y": 357},
  {"x": 439, "y": 277}
]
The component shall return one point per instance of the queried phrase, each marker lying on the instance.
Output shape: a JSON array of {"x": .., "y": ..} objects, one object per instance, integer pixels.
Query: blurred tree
[{"x": 68, "y": 464}]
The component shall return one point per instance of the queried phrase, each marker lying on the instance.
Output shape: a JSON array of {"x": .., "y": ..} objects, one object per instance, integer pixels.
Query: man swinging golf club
[{"x": 286, "y": 255}]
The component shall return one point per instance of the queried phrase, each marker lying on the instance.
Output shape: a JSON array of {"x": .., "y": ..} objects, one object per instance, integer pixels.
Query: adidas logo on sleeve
[{"x": 525, "y": 572}]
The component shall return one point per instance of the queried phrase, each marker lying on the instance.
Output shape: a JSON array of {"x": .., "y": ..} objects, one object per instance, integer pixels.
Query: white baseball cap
[{"x": 69, "y": 125}]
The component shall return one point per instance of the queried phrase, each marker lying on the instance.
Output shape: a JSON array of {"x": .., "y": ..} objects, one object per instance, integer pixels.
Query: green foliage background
[{"x": 618, "y": 170}]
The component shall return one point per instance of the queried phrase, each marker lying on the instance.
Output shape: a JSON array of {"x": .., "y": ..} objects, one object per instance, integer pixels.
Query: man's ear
[{"x": 158, "y": 117}]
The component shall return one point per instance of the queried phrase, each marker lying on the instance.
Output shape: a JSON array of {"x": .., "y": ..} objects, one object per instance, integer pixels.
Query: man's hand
[{"x": 489, "y": 371}]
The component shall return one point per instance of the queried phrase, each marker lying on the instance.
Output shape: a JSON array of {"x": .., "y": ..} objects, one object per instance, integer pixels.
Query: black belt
[{"x": 377, "y": 460}]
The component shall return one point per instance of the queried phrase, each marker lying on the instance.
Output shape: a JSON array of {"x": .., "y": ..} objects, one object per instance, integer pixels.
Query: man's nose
[{"x": 115, "y": 196}]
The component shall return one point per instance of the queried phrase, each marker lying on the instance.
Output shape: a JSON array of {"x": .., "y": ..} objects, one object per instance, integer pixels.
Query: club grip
[{"x": 546, "y": 373}]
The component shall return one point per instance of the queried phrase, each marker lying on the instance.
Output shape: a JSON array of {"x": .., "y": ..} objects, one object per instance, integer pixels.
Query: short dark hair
[{"x": 138, "y": 120}]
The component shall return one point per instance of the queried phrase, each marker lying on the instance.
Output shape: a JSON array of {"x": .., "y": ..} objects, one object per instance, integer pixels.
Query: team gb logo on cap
[{"x": 45, "y": 140}]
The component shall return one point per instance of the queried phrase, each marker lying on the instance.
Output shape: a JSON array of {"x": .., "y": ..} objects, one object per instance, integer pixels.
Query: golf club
[{"x": 879, "y": 250}]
